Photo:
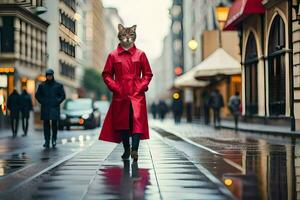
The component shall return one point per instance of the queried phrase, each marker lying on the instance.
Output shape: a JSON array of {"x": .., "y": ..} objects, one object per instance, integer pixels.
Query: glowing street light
[{"x": 193, "y": 44}]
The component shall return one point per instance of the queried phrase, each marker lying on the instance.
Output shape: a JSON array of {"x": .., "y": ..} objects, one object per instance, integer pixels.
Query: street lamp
[
  {"x": 193, "y": 45},
  {"x": 221, "y": 14}
]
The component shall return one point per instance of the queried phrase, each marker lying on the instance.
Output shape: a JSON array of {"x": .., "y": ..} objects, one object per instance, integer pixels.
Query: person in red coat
[{"x": 127, "y": 74}]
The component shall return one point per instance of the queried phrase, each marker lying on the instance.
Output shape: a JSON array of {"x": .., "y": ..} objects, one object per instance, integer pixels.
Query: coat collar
[{"x": 132, "y": 50}]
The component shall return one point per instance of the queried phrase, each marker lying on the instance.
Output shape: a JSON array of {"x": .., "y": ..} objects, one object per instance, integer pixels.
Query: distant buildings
[
  {"x": 112, "y": 19},
  {"x": 94, "y": 37}
]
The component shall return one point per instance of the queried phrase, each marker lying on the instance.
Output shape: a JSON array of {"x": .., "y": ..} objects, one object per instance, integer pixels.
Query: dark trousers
[
  {"x": 135, "y": 137},
  {"x": 25, "y": 125},
  {"x": 236, "y": 121},
  {"x": 217, "y": 118},
  {"x": 206, "y": 115},
  {"x": 47, "y": 129},
  {"x": 14, "y": 122},
  {"x": 189, "y": 112}
]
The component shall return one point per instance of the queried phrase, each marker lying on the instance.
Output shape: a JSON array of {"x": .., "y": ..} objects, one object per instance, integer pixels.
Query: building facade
[
  {"x": 270, "y": 62},
  {"x": 94, "y": 38},
  {"x": 63, "y": 42},
  {"x": 23, "y": 47}
]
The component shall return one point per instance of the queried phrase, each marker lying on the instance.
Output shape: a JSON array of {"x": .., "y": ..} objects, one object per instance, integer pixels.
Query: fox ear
[
  {"x": 133, "y": 27},
  {"x": 120, "y": 27}
]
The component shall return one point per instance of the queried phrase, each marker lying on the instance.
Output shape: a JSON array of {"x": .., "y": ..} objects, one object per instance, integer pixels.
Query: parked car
[
  {"x": 79, "y": 112},
  {"x": 103, "y": 107}
]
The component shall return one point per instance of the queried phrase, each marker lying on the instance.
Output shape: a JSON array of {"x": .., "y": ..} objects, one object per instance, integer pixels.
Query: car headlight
[
  {"x": 85, "y": 116},
  {"x": 63, "y": 116}
]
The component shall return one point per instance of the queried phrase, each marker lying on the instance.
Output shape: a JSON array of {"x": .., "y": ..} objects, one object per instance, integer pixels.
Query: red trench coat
[{"x": 122, "y": 75}]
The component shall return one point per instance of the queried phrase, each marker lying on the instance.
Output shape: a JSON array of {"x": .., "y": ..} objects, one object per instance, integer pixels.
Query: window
[
  {"x": 67, "y": 22},
  {"x": 7, "y": 34},
  {"x": 67, "y": 70},
  {"x": 67, "y": 47},
  {"x": 251, "y": 88},
  {"x": 276, "y": 66}
]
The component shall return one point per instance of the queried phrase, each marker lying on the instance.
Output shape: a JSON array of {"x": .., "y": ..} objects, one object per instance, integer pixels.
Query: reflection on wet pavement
[
  {"x": 15, "y": 162},
  {"x": 269, "y": 165}
]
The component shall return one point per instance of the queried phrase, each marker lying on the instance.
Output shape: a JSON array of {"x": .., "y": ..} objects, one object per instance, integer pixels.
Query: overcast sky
[{"x": 151, "y": 18}]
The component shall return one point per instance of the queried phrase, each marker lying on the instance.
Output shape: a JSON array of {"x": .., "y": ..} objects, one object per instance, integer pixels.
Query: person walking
[
  {"x": 206, "y": 105},
  {"x": 154, "y": 110},
  {"x": 50, "y": 94},
  {"x": 162, "y": 109},
  {"x": 177, "y": 107},
  {"x": 127, "y": 114},
  {"x": 234, "y": 107},
  {"x": 13, "y": 104},
  {"x": 216, "y": 102},
  {"x": 25, "y": 108}
]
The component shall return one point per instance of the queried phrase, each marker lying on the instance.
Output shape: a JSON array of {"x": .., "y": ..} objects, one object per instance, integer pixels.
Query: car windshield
[{"x": 78, "y": 104}]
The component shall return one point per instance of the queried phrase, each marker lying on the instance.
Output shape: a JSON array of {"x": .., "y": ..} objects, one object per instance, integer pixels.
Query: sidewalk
[
  {"x": 99, "y": 173},
  {"x": 260, "y": 128}
]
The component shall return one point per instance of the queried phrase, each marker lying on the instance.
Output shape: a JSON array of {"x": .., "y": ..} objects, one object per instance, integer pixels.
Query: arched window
[
  {"x": 251, "y": 61},
  {"x": 276, "y": 63}
]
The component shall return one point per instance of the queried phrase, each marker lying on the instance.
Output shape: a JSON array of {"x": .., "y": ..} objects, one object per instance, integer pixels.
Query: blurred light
[
  {"x": 228, "y": 182},
  {"x": 193, "y": 44},
  {"x": 176, "y": 95},
  {"x": 63, "y": 116},
  {"x": 3, "y": 80},
  {"x": 85, "y": 116},
  {"x": 73, "y": 139},
  {"x": 7, "y": 70},
  {"x": 41, "y": 78},
  {"x": 178, "y": 70},
  {"x": 88, "y": 137},
  {"x": 80, "y": 138},
  {"x": 31, "y": 86},
  {"x": 81, "y": 121},
  {"x": 64, "y": 141}
]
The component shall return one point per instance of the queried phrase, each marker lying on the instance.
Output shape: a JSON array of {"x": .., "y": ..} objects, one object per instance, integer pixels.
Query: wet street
[{"x": 186, "y": 161}]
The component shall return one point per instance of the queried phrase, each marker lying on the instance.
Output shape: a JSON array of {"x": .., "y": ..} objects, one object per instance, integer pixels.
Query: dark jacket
[
  {"x": 50, "y": 94},
  {"x": 234, "y": 104},
  {"x": 177, "y": 106},
  {"x": 25, "y": 104},
  {"x": 13, "y": 104},
  {"x": 216, "y": 100}
]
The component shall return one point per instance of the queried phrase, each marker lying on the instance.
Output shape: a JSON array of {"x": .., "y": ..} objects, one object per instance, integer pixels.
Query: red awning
[{"x": 241, "y": 9}]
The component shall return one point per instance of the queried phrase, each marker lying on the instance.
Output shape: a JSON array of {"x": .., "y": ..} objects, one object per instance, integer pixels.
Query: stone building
[
  {"x": 270, "y": 60},
  {"x": 23, "y": 46}
]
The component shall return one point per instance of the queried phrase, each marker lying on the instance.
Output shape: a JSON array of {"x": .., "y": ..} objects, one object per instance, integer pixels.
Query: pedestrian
[
  {"x": 216, "y": 102},
  {"x": 13, "y": 104},
  {"x": 206, "y": 106},
  {"x": 127, "y": 115},
  {"x": 234, "y": 107},
  {"x": 162, "y": 109},
  {"x": 177, "y": 108},
  {"x": 50, "y": 94},
  {"x": 154, "y": 110},
  {"x": 25, "y": 108}
]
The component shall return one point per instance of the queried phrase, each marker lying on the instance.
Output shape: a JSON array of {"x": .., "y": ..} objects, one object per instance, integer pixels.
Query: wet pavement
[
  {"x": 98, "y": 172},
  {"x": 23, "y": 158},
  {"x": 255, "y": 166}
]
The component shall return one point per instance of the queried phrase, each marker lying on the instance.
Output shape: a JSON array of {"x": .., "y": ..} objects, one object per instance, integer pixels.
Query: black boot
[
  {"x": 46, "y": 145},
  {"x": 53, "y": 143},
  {"x": 126, "y": 153}
]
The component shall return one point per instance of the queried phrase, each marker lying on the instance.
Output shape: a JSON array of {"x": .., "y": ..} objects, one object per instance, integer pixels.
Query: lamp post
[{"x": 221, "y": 14}]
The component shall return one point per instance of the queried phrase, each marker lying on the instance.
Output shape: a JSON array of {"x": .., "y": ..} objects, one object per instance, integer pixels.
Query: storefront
[{"x": 267, "y": 62}]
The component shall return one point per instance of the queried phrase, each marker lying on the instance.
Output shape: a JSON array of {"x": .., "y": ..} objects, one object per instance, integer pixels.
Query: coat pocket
[
  {"x": 137, "y": 67},
  {"x": 118, "y": 68}
]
